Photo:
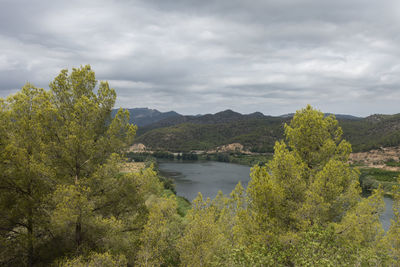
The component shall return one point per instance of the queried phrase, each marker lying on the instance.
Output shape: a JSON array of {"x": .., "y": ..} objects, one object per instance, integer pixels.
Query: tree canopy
[
  {"x": 64, "y": 200},
  {"x": 62, "y": 192},
  {"x": 303, "y": 208}
]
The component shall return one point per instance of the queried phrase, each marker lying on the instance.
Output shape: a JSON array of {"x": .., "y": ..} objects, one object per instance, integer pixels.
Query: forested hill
[
  {"x": 257, "y": 132},
  {"x": 372, "y": 132},
  {"x": 145, "y": 116},
  {"x": 227, "y": 116}
]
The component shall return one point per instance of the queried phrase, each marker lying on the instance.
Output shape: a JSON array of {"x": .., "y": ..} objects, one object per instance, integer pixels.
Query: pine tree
[
  {"x": 25, "y": 179},
  {"x": 309, "y": 190},
  {"x": 85, "y": 138},
  {"x": 160, "y": 233},
  {"x": 61, "y": 190},
  {"x": 393, "y": 235}
]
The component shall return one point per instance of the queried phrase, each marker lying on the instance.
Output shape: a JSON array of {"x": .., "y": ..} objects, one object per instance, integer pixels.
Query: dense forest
[
  {"x": 256, "y": 132},
  {"x": 64, "y": 200}
]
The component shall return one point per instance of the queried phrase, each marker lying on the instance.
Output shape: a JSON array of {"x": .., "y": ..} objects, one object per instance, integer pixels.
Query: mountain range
[
  {"x": 145, "y": 116},
  {"x": 257, "y": 132}
]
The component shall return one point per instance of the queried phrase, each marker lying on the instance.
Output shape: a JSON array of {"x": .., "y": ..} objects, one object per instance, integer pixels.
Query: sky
[{"x": 197, "y": 57}]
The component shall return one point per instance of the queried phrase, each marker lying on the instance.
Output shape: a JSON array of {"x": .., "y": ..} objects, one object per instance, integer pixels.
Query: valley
[{"x": 229, "y": 136}]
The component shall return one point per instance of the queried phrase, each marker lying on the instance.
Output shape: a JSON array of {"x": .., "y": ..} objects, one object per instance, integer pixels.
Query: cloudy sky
[{"x": 273, "y": 56}]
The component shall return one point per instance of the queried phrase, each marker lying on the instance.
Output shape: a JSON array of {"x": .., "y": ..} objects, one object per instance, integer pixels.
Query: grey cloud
[{"x": 205, "y": 56}]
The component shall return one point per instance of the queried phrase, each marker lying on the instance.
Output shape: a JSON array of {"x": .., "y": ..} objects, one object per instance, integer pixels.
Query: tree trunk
[
  {"x": 78, "y": 232},
  {"x": 30, "y": 238}
]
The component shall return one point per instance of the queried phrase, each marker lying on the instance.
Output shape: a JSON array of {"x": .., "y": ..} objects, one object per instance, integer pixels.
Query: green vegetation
[
  {"x": 184, "y": 205},
  {"x": 259, "y": 133},
  {"x": 163, "y": 155},
  {"x": 380, "y": 174},
  {"x": 187, "y": 156},
  {"x": 64, "y": 200},
  {"x": 232, "y": 157},
  {"x": 238, "y": 158},
  {"x": 145, "y": 156},
  {"x": 303, "y": 208},
  {"x": 372, "y": 178},
  {"x": 139, "y": 157},
  {"x": 392, "y": 163},
  {"x": 372, "y": 132}
]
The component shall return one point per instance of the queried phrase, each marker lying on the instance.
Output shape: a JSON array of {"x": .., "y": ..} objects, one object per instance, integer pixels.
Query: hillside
[
  {"x": 222, "y": 117},
  {"x": 208, "y": 131},
  {"x": 257, "y": 132},
  {"x": 187, "y": 136},
  {"x": 145, "y": 116},
  {"x": 372, "y": 132}
]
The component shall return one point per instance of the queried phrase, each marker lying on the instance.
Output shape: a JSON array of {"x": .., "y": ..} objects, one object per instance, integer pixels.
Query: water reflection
[
  {"x": 387, "y": 214},
  {"x": 208, "y": 177}
]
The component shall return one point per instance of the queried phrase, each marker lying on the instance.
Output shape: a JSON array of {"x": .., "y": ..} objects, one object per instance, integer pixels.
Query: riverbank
[
  {"x": 374, "y": 172},
  {"x": 372, "y": 178},
  {"x": 207, "y": 177},
  {"x": 183, "y": 204},
  {"x": 228, "y": 157}
]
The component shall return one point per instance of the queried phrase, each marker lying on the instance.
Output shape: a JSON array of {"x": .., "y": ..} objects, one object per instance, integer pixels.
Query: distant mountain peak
[
  {"x": 145, "y": 116},
  {"x": 288, "y": 115},
  {"x": 227, "y": 112},
  {"x": 338, "y": 116},
  {"x": 258, "y": 132},
  {"x": 257, "y": 114}
]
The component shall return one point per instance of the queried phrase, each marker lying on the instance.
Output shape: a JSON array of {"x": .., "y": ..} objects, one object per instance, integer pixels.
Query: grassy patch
[
  {"x": 392, "y": 163},
  {"x": 238, "y": 158},
  {"x": 371, "y": 178},
  {"x": 250, "y": 160},
  {"x": 380, "y": 174},
  {"x": 184, "y": 205},
  {"x": 132, "y": 167}
]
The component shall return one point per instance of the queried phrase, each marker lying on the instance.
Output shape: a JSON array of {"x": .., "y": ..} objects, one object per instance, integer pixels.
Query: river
[{"x": 208, "y": 177}]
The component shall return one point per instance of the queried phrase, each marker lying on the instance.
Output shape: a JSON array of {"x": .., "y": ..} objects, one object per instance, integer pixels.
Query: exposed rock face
[
  {"x": 235, "y": 147},
  {"x": 138, "y": 148},
  {"x": 376, "y": 158}
]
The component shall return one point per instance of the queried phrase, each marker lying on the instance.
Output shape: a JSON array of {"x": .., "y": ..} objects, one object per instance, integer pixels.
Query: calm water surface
[
  {"x": 387, "y": 214},
  {"x": 208, "y": 177}
]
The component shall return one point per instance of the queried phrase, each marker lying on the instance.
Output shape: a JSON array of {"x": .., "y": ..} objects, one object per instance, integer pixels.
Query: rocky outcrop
[
  {"x": 137, "y": 148},
  {"x": 234, "y": 147},
  {"x": 377, "y": 158}
]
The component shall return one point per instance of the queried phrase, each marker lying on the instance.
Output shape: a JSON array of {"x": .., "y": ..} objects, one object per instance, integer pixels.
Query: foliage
[
  {"x": 163, "y": 155},
  {"x": 303, "y": 208},
  {"x": 25, "y": 178},
  {"x": 187, "y": 156},
  {"x": 203, "y": 237},
  {"x": 160, "y": 233},
  {"x": 189, "y": 136},
  {"x": 259, "y": 133},
  {"x": 238, "y": 158},
  {"x": 138, "y": 157},
  {"x": 63, "y": 198},
  {"x": 372, "y": 132},
  {"x": 373, "y": 178},
  {"x": 394, "y": 231},
  {"x": 184, "y": 205},
  {"x": 95, "y": 259},
  {"x": 392, "y": 163}
]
